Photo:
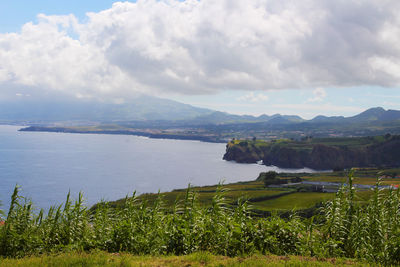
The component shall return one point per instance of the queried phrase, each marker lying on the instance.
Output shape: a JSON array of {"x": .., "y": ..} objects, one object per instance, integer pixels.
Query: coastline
[{"x": 200, "y": 138}]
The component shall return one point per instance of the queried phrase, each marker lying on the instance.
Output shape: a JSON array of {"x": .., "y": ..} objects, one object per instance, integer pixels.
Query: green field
[
  {"x": 282, "y": 198},
  {"x": 254, "y": 190},
  {"x": 293, "y": 201}
]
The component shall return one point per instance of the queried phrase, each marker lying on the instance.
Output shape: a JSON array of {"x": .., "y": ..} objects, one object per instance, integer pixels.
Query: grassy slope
[
  {"x": 196, "y": 259},
  {"x": 277, "y": 198},
  {"x": 295, "y": 201}
]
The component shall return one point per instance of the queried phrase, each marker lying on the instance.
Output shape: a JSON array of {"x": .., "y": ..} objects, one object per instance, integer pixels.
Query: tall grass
[
  {"x": 370, "y": 231},
  {"x": 345, "y": 227}
]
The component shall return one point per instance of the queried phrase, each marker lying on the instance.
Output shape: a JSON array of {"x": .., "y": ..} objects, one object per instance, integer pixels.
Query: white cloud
[
  {"x": 44, "y": 56},
  {"x": 251, "y": 97},
  {"x": 319, "y": 95},
  {"x": 201, "y": 47}
]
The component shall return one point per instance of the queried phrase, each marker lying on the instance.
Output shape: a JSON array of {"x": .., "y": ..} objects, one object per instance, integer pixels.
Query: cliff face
[
  {"x": 243, "y": 152},
  {"x": 320, "y": 156}
]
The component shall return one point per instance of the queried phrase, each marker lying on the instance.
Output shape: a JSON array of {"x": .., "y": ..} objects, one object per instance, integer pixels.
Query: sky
[{"x": 244, "y": 57}]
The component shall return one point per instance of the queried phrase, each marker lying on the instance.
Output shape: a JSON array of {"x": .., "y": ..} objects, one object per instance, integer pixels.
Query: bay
[{"x": 48, "y": 165}]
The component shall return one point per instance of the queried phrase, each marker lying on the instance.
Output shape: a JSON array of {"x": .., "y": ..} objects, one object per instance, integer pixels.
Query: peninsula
[{"x": 318, "y": 153}]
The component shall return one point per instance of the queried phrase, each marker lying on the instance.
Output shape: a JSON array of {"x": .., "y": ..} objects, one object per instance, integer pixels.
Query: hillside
[{"x": 318, "y": 153}]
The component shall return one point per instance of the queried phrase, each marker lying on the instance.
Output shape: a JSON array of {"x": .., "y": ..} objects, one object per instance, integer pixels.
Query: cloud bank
[{"x": 201, "y": 47}]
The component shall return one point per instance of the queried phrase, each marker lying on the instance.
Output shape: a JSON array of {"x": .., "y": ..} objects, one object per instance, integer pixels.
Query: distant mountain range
[
  {"x": 370, "y": 115},
  {"x": 142, "y": 108},
  {"x": 218, "y": 117},
  {"x": 151, "y": 109}
]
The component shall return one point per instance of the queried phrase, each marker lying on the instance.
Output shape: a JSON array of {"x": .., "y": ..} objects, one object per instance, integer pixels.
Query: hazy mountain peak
[
  {"x": 263, "y": 117},
  {"x": 375, "y": 110},
  {"x": 369, "y": 115},
  {"x": 322, "y": 118}
]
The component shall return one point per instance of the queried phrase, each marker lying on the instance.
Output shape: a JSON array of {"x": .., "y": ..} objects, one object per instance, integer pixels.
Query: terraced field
[
  {"x": 283, "y": 198},
  {"x": 295, "y": 201}
]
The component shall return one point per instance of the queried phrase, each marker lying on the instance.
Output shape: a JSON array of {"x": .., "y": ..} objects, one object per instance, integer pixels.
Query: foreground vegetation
[
  {"x": 344, "y": 227},
  {"x": 98, "y": 258}
]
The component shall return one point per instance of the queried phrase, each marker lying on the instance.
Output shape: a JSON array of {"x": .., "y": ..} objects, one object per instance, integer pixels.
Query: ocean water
[{"x": 48, "y": 165}]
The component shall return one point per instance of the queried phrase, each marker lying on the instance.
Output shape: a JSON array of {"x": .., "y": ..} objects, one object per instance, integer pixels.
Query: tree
[
  {"x": 269, "y": 178},
  {"x": 270, "y": 175}
]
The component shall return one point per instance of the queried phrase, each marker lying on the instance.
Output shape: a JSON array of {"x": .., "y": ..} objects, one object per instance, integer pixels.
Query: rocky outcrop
[
  {"x": 243, "y": 152},
  {"x": 317, "y": 155}
]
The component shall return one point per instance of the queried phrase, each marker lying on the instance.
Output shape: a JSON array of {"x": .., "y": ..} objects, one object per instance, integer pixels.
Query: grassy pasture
[{"x": 294, "y": 201}]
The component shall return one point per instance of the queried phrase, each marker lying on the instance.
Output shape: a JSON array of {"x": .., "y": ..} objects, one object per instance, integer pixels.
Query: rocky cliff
[{"x": 319, "y": 154}]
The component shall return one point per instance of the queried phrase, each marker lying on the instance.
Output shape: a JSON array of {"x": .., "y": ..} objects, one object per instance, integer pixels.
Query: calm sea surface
[{"x": 47, "y": 165}]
